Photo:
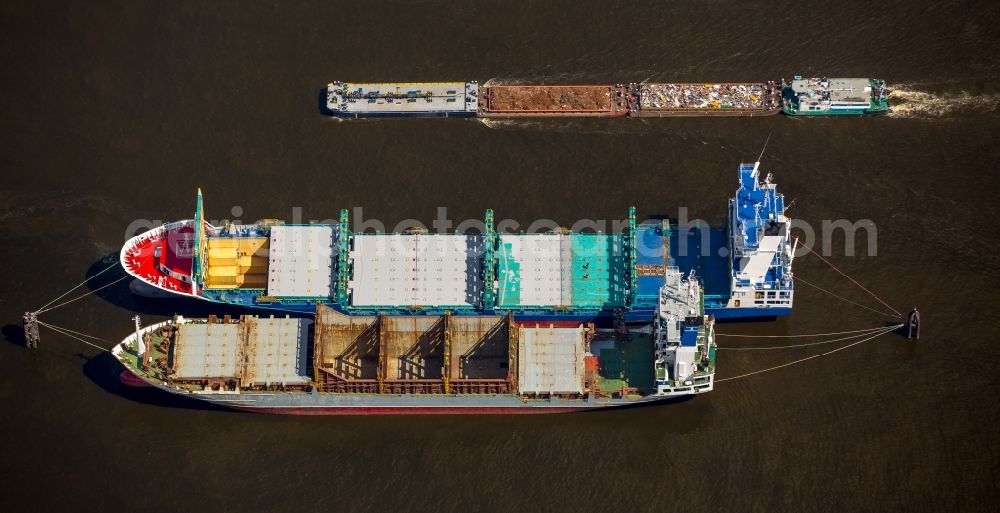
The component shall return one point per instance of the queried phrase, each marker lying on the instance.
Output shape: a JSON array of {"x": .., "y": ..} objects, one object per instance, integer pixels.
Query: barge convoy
[{"x": 812, "y": 97}]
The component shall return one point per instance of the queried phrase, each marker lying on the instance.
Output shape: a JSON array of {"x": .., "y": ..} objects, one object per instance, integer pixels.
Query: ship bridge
[{"x": 761, "y": 243}]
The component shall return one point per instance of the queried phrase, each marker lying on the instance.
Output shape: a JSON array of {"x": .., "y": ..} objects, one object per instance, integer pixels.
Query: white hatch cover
[
  {"x": 278, "y": 351},
  {"x": 301, "y": 261},
  {"x": 410, "y": 270},
  {"x": 541, "y": 265},
  {"x": 206, "y": 351},
  {"x": 550, "y": 360}
]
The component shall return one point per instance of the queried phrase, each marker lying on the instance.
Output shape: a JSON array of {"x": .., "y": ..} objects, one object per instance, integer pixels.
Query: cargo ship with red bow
[{"x": 556, "y": 275}]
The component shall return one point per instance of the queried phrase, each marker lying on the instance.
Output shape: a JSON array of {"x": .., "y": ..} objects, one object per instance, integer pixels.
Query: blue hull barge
[
  {"x": 402, "y": 99},
  {"x": 555, "y": 276}
]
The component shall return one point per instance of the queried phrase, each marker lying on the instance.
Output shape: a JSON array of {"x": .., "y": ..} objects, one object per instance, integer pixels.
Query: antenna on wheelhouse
[{"x": 765, "y": 146}]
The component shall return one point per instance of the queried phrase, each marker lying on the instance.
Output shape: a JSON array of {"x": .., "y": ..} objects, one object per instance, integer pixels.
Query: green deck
[
  {"x": 131, "y": 358},
  {"x": 597, "y": 272},
  {"x": 627, "y": 364}
]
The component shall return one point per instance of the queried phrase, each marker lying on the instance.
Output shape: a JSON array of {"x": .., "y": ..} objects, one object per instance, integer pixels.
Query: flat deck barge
[
  {"x": 402, "y": 99},
  {"x": 553, "y": 100}
]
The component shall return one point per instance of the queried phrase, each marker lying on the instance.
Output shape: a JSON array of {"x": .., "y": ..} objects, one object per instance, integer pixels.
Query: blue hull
[
  {"x": 603, "y": 318},
  {"x": 747, "y": 313}
]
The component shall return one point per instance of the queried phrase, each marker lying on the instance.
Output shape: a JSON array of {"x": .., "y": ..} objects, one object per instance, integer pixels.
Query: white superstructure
[{"x": 684, "y": 337}]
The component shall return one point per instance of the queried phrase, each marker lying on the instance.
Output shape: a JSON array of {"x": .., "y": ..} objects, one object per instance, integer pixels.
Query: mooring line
[
  {"x": 62, "y": 332},
  {"x": 867, "y": 330},
  {"x": 64, "y": 294},
  {"x": 876, "y": 335},
  {"x": 881, "y": 330},
  {"x": 842, "y": 273},
  {"x": 83, "y": 296},
  {"x": 71, "y": 331},
  {"x": 821, "y": 289}
]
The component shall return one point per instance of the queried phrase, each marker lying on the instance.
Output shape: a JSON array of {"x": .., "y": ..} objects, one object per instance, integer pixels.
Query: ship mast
[
  {"x": 199, "y": 227},
  {"x": 140, "y": 345}
]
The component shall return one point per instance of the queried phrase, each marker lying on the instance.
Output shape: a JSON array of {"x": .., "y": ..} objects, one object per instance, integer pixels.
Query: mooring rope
[
  {"x": 82, "y": 296},
  {"x": 64, "y": 331},
  {"x": 809, "y": 344},
  {"x": 64, "y": 294},
  {"x": 867, "y": 330},
  {"x": 801, "y": 360},
  {"x": 842, "y": 273},
  {"x": 99, "y": 339},
  {"x": 821, "y": 289}
]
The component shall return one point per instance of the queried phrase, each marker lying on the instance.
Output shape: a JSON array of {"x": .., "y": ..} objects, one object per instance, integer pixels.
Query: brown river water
[{"x": 117, "y": 111}]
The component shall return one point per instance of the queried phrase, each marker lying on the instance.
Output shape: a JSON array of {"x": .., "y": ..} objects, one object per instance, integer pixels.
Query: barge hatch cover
[
  {"x": 551, "y": 360},
  {"x": 256, "y": 351},
  {"x": 277, "y": 351},
  {"x": 206, "y": 351}
]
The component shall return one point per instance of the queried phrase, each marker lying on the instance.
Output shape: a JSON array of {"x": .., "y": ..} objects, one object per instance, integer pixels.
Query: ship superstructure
[
  {"x": 761, "y": 246},
  {"x": 552, "y": 276},
  {"x": 347, "y": 364},
  {"x": 684, "y": 337}
]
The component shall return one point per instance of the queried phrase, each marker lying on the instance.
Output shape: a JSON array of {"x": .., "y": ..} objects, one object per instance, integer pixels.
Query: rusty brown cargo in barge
[
  {"x": 705, "y": 99},
  {"x": 524, "y": 100}
]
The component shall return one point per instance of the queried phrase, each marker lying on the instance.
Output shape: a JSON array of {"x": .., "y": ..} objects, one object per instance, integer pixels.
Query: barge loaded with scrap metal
[
  {"x": 470, "y": 99},
  {"x": 554, "y": 276},
  {"x": 725, "y": 99}
]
